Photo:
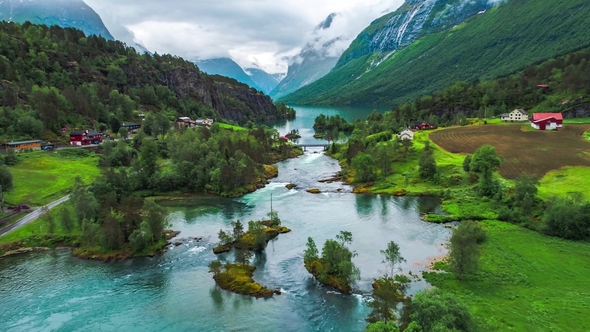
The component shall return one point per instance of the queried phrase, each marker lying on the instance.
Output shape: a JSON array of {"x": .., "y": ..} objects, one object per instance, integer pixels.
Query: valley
[{"x": 430, "y": 174}]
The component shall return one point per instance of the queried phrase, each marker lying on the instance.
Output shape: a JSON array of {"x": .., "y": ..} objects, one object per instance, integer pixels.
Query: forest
[{"x": 53, "y": 80}]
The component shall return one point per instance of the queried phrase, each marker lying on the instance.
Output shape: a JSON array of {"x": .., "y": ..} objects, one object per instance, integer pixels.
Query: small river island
[{"x": 237, "y": 277}]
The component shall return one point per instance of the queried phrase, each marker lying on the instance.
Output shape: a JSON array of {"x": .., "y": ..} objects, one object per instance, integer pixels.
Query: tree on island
[
  {"x": 215, "y": 267},
  {"x": 464, "y": 251},
  {"x": 335, "y": 267},
  {"x": 392, "y": 257}
]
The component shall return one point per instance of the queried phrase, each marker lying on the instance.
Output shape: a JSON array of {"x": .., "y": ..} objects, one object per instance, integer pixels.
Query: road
[{"x": 31, "y": 217}]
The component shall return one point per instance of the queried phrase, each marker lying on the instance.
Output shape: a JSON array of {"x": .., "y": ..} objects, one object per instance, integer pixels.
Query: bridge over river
[{"x": 313, "y": 145}]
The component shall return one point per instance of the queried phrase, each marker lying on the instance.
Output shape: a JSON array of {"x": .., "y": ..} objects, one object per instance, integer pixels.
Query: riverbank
[{"x": 525, "y": 279}]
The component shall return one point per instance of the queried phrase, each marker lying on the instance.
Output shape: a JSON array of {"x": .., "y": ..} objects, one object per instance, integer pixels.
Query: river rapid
[{"x": 53, "y": 291}]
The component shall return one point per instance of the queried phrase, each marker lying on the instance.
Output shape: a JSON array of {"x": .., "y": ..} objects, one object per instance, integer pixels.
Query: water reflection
[
  {"x": 364, "y": 205},
  {"x": 217, "y": 296}
]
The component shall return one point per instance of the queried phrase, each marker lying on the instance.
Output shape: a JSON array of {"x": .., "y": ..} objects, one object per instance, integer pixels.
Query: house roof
[
  {"x": 545, "y": 116},
  {"x": 81, "y": 132},
  {"x": 505, "y": 114},
  {"x": 419, "y": 123},
  {"x": 132, "y": 124},
  {"x": 24, "y": 142},
  {"x": 521, "y": 111}
]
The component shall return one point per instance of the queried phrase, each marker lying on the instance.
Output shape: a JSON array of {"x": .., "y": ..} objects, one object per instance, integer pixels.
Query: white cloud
[{"x": 264, "y": 32}]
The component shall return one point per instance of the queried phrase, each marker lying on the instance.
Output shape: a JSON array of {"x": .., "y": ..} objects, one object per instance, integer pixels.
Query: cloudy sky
[{"x": 264, "y": 32}]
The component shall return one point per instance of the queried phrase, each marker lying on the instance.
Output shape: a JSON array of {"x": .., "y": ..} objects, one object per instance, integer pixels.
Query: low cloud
[{"x": 262, "y": 32}]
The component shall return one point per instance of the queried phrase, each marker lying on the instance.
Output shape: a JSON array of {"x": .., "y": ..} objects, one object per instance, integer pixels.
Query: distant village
[{"x": 91, "y": 137}]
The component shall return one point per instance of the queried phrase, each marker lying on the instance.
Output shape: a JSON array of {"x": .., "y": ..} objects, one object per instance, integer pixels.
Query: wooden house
[
  {"x": 131, "y": 127},
  {"x": 85, "y": 137},
  {"x": 421, "y": 125},
  {"x": 23, "y": 145},
  {"x": 406, "y": 135},
  {"x": 518, "y": 115}
]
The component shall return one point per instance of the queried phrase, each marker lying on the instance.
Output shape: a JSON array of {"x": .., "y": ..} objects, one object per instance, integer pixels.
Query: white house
[
  {"x": 515, "y": 116},
  {"x": 406, "y": 134}
]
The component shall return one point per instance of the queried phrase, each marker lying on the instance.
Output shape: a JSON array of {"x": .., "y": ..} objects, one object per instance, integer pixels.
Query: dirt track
[{"x": 531, "y": 151}]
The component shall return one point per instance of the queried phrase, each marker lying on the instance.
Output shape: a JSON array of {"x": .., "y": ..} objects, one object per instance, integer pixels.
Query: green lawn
[
  {"x": 564, "y": 181},
  {"x": 42, "y": 177},
  {"x": 33, "y": 234},
  {"x": 527, "y": 282},
  {"x": 228, "y": 126}
]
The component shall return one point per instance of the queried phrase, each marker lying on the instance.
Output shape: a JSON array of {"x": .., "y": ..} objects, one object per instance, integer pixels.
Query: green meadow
[
  {"x": 527, "y": 282},
  {"x": 42, "y": 177}
]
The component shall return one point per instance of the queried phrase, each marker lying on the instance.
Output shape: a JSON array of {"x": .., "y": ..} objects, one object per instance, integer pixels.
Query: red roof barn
[{"x": 545, "y": 121}]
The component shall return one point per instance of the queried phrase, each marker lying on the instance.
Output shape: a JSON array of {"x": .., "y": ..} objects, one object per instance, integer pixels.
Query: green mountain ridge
[{"x": 505, "y": 39}]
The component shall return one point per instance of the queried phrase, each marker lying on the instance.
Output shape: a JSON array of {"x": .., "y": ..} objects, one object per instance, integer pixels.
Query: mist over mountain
[
  {"x": 264, "y": 80},
  {"x": 315, "y": 60},
  {"x": 65, "y": 13}
]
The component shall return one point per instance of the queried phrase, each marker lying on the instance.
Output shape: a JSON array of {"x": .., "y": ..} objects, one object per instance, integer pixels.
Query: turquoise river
[{"x": 53, "y": 291}]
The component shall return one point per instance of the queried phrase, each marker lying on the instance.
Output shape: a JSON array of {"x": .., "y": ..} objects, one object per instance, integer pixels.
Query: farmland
[{"x": 533, "y": 152}]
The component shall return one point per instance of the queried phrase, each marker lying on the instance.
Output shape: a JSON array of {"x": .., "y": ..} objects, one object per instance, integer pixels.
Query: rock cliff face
[
  {"x": 65, "y": 13},
  {"x": 412, "y": 20},
  {"x": 231, "y": 99}
]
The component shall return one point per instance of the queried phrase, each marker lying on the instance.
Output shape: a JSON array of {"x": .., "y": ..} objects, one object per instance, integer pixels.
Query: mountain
[
  {"x": 264, "y": 80},
  {"x": 52, "y": 77},
  {"x": 427, "y": 44},
  {"x": 313, "y": 62},
  {"x": 64, "y": 13},
  {"x": 226, "y": 67}
]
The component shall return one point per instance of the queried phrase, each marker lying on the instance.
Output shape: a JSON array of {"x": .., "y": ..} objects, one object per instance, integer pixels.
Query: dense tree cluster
[
  {"x": 335, "y": 122},
  {"x": 51, "y": 77},
  {"x": 111, "y": 218}
]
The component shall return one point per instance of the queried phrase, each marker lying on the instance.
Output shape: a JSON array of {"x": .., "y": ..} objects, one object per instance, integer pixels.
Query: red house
[
  {"x": 420, "y": 125},
  {"x": 86, "y": 137},
  {"x": 547, "y": 121}
]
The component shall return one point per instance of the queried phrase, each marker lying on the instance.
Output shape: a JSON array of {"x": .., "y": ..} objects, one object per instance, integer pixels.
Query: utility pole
[{"x": 270, "y": 201}]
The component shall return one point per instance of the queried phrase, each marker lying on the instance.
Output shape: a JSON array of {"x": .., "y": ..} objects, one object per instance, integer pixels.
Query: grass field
[
  {"x": 405, "y": 173},
  {"x": 532, "y": 152},
  {"x": 565, "y": 181},
  {"x": 527, "y": 282},
  {"x": 228, "y": 126},
  {"x": 577, "y": 120},
  {"x": 42, "y": 177}
]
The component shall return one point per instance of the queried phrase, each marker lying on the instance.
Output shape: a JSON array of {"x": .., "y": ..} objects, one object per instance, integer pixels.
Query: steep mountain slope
[
  {"x": 311, "y": 64},
  {"x": 226, "y": 67},
  {"x": 64, "y": 13},
  {"x": 264, "y": 80},
  {"x": 51, "y": 77},
  {"x": 378, "y": 70}
]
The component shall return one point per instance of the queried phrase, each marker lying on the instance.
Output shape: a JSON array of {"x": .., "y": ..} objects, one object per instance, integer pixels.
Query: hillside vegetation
[
  {"x": 52, "y": 78},
  {"x": 502, "y": 41}
]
